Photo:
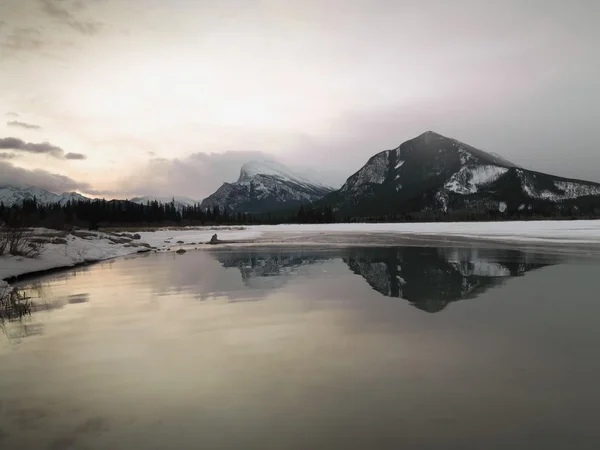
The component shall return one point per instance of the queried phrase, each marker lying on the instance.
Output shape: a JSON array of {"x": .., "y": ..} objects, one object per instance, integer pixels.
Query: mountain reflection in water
[{"x": 429, "y": 278}]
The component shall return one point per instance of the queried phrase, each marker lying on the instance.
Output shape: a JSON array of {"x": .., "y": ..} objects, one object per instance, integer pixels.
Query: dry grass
[{"x": 20, "y": 241}]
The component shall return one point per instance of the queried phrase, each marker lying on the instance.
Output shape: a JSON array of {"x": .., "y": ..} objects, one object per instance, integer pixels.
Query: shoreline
[{"x": 101, "y": 246}]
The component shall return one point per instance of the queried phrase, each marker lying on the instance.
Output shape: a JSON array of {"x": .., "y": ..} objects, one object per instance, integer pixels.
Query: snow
[
  {"x": 375, "y": 171},
  {"x": 10, "y": 195},
  {"x": 470, "y": 178},
  {"x": 502, "y": 207},
  {"x": 399, "y": 164},
  {"x": 197, "y": 235},
  {"x": 272, "y": 168},
  {"x": 77, "y": 250},
  {"x": 481, "y": 268},
  {"x": 568, "y": 190},
  {"x": 98, "y": 247},
  {"x": 465, "y": 156},
  {"x": 558, "y": 232},
  {"x": 574, "y": 190}
]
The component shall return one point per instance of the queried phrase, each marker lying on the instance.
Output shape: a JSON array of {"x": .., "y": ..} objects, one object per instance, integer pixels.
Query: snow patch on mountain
[
  {"x": 565, "y": 190},
  {"x": 375, "y": 171},
  {"x": 470, "y": 178},
  {"x": 465, "y": 156},
  {"x": 481, "y": 269}
]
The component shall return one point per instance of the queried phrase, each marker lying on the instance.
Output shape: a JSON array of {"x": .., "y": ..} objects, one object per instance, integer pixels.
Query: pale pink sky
[{"x": 170, "y": 98}]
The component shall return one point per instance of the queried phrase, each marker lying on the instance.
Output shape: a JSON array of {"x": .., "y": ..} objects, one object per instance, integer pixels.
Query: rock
[
  {"x": 130, "y": 236},
  {"x": 180, "y": 242},
  {"x": 180, "y": 251},
  {"x": 214, "y": 239}
]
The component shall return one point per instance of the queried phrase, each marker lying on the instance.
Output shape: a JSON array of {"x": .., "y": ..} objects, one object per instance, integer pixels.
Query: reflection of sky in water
[{"x": 323, "y": 360}]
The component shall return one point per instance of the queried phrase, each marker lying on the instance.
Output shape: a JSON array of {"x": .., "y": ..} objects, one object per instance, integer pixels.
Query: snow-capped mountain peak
[
  {"x": 271, "y": 168},
  {"x": 266, "y": 185}
]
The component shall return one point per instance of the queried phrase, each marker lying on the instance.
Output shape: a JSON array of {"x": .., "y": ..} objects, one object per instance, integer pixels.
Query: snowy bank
[
  {"x": 68, "y": 251},
  {"x": 544, "y": 232},
  {"x": 88, "y": 247},
  {"x": 557, "y": 232}
]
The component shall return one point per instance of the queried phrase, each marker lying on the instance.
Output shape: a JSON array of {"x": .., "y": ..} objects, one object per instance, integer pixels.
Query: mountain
[
  {"x": 10, "y": 195},
  {"x": 434, "y": 173},
  {"x": 180, "y": 202},
  {"x": 266, "y": 186}
]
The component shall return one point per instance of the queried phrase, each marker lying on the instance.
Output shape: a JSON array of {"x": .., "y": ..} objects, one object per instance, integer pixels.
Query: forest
[{"x": 120, "y": 213}]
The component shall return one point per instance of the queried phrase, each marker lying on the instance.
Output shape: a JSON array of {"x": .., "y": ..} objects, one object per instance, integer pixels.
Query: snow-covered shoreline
[
  {"x": 67, "y": 251},
  {"x": 85, "y": 247}
]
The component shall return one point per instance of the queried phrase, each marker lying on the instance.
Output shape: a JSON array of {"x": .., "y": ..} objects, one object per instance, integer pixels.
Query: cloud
[
  {"x": 19, "y": 177},
  {"x": 62, "y": 12},
  {"x": 5, "y": 155},
  {"x": 11, "y": 114},
  {"x": 43, "y": 148},
  {"x": 22, "y": 39},
  {"x": 196, "y": 176},
  {"x": 77, "y": 156},
  {"x": 29, "y": 126}
]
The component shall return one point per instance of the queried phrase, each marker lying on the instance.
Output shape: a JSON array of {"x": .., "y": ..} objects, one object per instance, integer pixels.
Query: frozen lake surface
[{"x": 295, "y": 347}]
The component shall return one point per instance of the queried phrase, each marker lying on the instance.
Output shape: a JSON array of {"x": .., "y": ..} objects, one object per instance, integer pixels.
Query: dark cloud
[
  {"x": 19, "y": 177},
  {"x": 77, "y": 156},
  {"x": 22, "y": 39},
  {"x": 29, "y": 126},
  {"x": 5, "y": 155},
  {"x": 63, "y": 11},
  {"x": 43, "y": 148}
]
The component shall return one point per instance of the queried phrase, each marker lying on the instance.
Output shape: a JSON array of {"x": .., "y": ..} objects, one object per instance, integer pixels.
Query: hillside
[{"x": 433, "y": 173}]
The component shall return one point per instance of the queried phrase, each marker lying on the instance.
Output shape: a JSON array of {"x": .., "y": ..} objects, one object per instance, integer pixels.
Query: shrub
[{"x": 20, "y": 241}]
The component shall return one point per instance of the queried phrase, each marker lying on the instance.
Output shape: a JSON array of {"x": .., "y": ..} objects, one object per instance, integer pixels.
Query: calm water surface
[{"x": 393, "y": 348}]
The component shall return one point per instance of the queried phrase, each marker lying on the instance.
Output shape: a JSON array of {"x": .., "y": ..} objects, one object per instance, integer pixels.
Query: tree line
[
  {"x": 118, "y": 213},
  {"x": 103, "y": 213}
]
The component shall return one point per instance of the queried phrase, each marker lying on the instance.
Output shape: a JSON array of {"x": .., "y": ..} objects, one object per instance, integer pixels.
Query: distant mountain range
[
  {"x": 430, "y": 174},
  {"x": 266, "y": 186},
  {"x": 10, "y": 195}
]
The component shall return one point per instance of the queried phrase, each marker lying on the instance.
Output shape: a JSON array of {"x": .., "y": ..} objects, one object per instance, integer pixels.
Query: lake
[{"x": 308, "y": 348}]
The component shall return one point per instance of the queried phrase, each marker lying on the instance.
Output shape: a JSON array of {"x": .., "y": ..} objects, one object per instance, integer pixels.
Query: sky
[{"x": 116, "y": 98}]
